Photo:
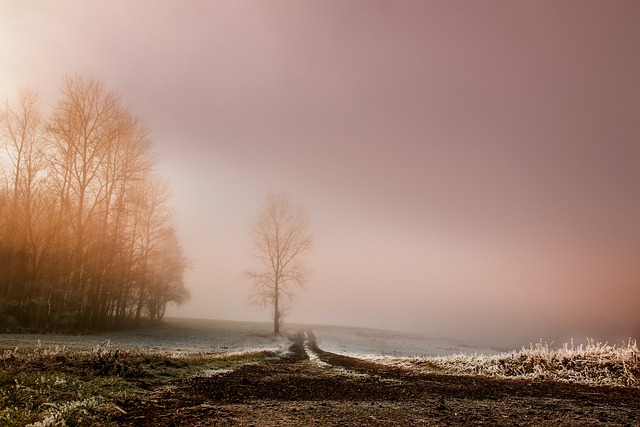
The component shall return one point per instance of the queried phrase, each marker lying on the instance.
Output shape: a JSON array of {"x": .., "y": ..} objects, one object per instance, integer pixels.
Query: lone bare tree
[{"x": 281, "y": 237}]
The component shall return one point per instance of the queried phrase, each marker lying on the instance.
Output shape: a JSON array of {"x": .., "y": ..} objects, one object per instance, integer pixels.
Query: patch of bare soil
[{"x": 335, "y": 390}]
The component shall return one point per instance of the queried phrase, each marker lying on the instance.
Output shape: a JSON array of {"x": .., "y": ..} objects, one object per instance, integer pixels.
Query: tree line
[{"x": 87, "y": 237}]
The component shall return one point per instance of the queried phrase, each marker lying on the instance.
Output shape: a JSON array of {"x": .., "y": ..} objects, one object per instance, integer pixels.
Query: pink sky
[{"x": 471, "y": 168}]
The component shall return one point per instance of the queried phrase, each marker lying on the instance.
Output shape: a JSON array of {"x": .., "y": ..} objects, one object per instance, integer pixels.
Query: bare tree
[
  {"x": 166, "y": 268},
  {"x": 23, "y": 234},
  {"x": 83, "y": 127},
  {"x": 154, "y": 218},
  {"x": 280, "y": 235}
]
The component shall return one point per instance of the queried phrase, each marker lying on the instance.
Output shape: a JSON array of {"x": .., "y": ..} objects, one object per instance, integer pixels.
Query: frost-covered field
[
  {"x": 58, "y": 380},
  {"x": 167, "y": 372},
  {"x": 173, "y": 336},
  {"x": 593, "y": 363},
  {"x": 590, "y": 363},
  {"x": 183, "y": 336},
  {"x": 361, "y": 342}
]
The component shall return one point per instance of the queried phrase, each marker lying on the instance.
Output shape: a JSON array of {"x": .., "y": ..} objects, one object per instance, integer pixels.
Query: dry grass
[
  {"x": 593, "y": 364},
  {"x": 56, "y": 386}
]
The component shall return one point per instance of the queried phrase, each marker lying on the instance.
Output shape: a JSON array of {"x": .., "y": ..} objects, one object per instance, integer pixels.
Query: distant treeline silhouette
[{"x": 87, "y": 239}]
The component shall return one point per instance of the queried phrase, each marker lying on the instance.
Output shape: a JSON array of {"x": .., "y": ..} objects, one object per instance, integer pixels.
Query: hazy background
[{"x": 471, "y": 168}]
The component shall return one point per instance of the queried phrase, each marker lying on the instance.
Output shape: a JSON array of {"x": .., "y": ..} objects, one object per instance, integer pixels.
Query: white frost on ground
[
  {"x": 184, "y": 336},
  {"x": 174, "y": 336},
  {"x": 595, "y": 363},
  {"x": 313, "y": 356},
  {"x": 375, "y": 343}
]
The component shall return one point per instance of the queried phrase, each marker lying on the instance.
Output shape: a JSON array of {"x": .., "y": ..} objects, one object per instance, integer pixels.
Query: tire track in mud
[
  {"x": 354, "y": 364},
  {"x": 309, "y": 386}
]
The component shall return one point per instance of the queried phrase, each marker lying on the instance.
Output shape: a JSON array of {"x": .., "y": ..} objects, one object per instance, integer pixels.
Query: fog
[{"x": 470, "y": 168}]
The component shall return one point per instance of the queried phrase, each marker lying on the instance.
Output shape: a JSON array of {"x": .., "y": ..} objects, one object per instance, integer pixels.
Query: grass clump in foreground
[
  {"x": 594, "y": 364},
  {"x": 61, "y": 387}
]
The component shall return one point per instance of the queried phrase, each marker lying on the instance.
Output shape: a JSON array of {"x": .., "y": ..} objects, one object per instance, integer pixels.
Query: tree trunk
[{"x": 276, "y": 311}]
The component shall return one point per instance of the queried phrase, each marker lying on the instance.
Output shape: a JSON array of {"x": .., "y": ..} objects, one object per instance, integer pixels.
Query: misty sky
[{"x": 471, "y": 168}]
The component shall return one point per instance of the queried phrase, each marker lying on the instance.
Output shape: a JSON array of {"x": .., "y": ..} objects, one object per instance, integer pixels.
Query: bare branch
[{"x": 280, "y": 238}]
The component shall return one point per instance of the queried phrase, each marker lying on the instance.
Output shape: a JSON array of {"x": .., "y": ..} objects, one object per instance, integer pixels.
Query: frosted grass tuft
[{"x": 595, "y": 363}]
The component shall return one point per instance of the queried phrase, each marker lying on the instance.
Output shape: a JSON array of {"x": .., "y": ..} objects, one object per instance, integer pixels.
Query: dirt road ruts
[{"x": 313, "y": 387}]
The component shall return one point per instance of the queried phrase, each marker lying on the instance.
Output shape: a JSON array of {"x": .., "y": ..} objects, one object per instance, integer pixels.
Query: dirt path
[{"x": 313, "y": 387}]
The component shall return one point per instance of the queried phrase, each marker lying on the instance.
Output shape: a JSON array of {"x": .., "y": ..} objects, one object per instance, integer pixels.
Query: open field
[
  {"x": 184, "y": 336},
  {"x": 362, "y": 342},
  {"x": 173, "y": 336},
  {"x": 206, "y": 373}
]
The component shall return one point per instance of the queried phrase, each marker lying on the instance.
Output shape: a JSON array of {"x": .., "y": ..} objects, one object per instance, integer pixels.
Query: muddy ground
[{"x": 336, "y": 390}]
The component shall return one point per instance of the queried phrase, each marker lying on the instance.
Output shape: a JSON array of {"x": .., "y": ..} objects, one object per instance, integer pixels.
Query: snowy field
[{"x": 182, "y": 336}]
